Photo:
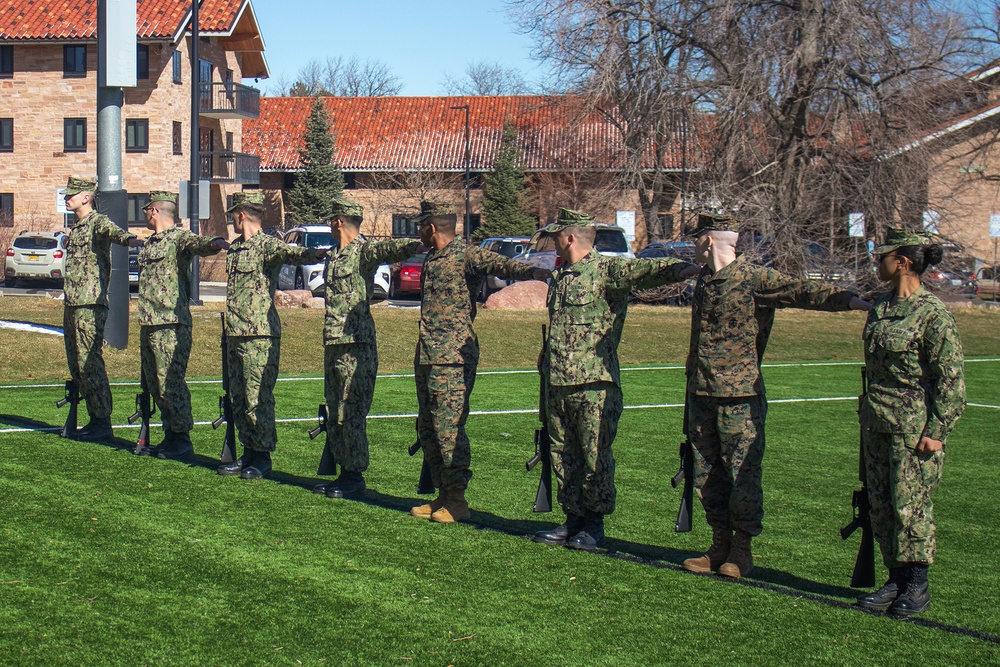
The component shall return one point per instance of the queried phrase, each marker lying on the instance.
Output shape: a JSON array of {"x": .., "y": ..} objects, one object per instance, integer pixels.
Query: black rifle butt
[
  {"x": 543, "y": 497},
  {"x": 425, "y": 485},
  {"x": 228, "y": 454},
  {"x": 327, "y": 464}
]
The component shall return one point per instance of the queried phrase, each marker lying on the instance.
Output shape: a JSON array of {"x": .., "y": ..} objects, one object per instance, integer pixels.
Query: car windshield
[
  {"x": 319, "y": 239},
  {"x": 610, "y": 240},
  {"x": 35, "y": 243},
  {"x": 511, "y": 248}
]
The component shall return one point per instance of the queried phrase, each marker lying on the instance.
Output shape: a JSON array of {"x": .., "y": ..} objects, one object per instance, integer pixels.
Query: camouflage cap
[
  {"x": 569, "y": 218},
  {"x": 901, "y": 238},
  {"x": 430, "y": 209},
  {"x": 341, "y": 206},
  {"x": 162, "y": 195},
  {"x": 76, "y": 185},
  {"x": 243, "y": 198},
  {"x": 714, "y": 222}
]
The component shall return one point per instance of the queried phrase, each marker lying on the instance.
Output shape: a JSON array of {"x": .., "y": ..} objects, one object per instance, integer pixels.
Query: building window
[
  {"x": 6, "y": 62},
  {"x": 74, "y": 60},
  {"x": 141, "y": 61},
  {"x": 350, "y": 180},
  {"x": 6, "y": 135},
  {"x": 137, "y": 135},
  {"x": 475, "y": 219},
  {"x": 177, "y": 66},
  {"x": 7, "y": 209},
  {"x": 204, "y": 71},
  {"x": 403, "y": 227},
  {"x": 75, "y": 135},
  {"x": 229, "y": 142},
  {"x": 136, "y": 218},
  {"x": 178, "y": 139}
]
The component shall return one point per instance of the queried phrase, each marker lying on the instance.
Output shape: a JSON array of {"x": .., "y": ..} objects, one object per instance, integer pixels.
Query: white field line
[
  {"x": 521, "y": 411},
  {"x": 805, "y": 364}
]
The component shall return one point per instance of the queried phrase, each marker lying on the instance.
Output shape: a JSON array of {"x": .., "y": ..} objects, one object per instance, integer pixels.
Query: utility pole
[
  {"x": 195, "y": 150},
  {"x": 468, "y": 213}
]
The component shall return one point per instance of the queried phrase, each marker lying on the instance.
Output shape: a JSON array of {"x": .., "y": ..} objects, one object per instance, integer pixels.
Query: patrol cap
[
  {"x": 714, "y": 222},
  {"x": 901, "y": 238},
  {"x": 341, "y": 206},
  {"x": 162, "y": 195},
  {"x": 76, "y": 185},
  {"x": 432, "y": 209},
  {"x": 569, "y": 218},
  {"x": 244, "y": 198}
]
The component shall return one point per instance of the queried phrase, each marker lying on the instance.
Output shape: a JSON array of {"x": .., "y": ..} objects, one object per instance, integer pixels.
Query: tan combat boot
[
  {"x": 425, "y": 511},
  {"x": 740, "y": 560},
  {"x": 716, "y": 554},
  {"x": 455, "y": 508}
]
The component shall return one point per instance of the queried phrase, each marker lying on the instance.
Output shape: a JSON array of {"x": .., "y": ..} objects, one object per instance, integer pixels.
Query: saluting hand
[
  {"x": 691, "y": 271},
  {"x": 322, "y": 252},
  {"x": 136, "y": 242},
  {"x": 220, "y": 243},
  {"x": 857, "y": 303},
  {"x": 541, "y": 274}
]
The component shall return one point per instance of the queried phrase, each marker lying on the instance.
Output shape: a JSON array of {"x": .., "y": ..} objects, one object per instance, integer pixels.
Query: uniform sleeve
[
  {"x": 495, "y": 264},
  {"x": 388, "y": 252},
  {"x": 776, "y": 290},
  {"x": 195, "y": 244},
  {"x": 946, "y": 376},
  {"x": 282, "y": 253},
  {"x": 628, "y": 274},
  {"x": 104, "y": 227}
]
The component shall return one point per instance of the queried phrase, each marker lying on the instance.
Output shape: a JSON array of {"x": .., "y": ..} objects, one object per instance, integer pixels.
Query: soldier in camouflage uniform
[
  {"x": 253, "y": 331},
  {"x": 165, "y": 319},
  {"x": 448, "y": 352},
  {"x": 350, "y": 351},
  {"x": 587, "y": 301},
  {"x": 916, "y": 393},
  {"x": 731, "y": 319},
  {"x": 85, "y": 312}
]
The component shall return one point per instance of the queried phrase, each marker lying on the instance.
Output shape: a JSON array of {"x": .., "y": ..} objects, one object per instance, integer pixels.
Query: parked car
[
  {"x": 406, "y": 276},
  {"x": 675, "y": 294},
  {"x": 988, "y": 282},
  {"x": 383, "y": 278},
  {"x": 541, "y": 250},
  {"x": 307, "y": 276},
  {"x": 508, "y": 246},
  {"x": 36, "y": 256},
  {"x": 133, "y": 267}
]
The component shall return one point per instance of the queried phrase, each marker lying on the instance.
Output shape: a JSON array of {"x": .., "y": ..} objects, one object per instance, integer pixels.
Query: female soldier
[{"x": 916, "y": 393}]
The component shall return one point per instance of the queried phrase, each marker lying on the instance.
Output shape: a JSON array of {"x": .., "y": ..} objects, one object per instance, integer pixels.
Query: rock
[
  {"x": 314, "y": 302},
  {"x": 291, "y": 298},
  {"x": 524, "y": 295}
]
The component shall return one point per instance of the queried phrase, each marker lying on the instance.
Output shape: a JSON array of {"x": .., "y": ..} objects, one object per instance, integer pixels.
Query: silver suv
[
  {"x": 541, "y": 250},
  {"x": 36, "y": 256},
  {"x": 508, "y": 246}
]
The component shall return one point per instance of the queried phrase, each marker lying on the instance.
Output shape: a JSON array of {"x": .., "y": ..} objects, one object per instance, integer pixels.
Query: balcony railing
[
  {"x": 229, "y": 167},
  {"x": 228, "y": 100}
]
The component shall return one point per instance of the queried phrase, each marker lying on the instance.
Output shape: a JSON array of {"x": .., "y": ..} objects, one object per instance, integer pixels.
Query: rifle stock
[
  {"x": 685, "y": 474},
  {"x": 228, "y": 454},
  {"x": 425, "y": 485},
  {"x": 73, "y": 398},
  {"x": 144, "y": 409},
  {"x": 543, "y": 444},
  {"x": 863, "y": 575},
  {"x": 327, "y": 464}
]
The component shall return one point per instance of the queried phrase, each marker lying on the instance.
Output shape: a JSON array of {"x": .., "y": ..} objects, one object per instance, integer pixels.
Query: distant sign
[
  {"x": 995, "y": 226},
  {"x": 61, "y": 201},
  {"x": 931, "y": 220},
  {"x": 204, "y": 200},
  {"x": 626, "y": 220},
  {"x": 856, "y": 225}
]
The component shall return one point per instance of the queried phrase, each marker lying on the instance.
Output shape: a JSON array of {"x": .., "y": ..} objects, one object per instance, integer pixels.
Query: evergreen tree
[
  {"x": 504, "y": 191},
  {"x": 320, "y": 179}
]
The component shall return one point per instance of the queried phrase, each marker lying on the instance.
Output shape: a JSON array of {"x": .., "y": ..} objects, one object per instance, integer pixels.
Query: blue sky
[{"x": 419, "y": 40}]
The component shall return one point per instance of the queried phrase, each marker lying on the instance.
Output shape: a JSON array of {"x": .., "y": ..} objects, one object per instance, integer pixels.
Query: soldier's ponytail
[{"x": 922, "y": 256}]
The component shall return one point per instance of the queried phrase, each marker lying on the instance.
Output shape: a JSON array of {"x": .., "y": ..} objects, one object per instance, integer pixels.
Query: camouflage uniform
[
  {"x": 914, "y": 366},
  {"x": 85, "y": 309},
  {"x": 253, "y": 331},
  {"x": 587, "y": 303},
  {"x": 447, "y": 352},
  {"x": 731, "y": 320},
  {"x": 165, "y": 320},
  {"x": 350, "y": 352}
]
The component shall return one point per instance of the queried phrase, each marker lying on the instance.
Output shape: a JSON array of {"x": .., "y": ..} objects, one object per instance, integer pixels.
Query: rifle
[
  {"x": 327, "y": 466},
  {"x": 686, "y": 473},
  {"x": 543, "y": 444},
  {"x": 73, "y": 398},
  {"x": 228, "y": 454},
  {"x": 864, "y": 567},
  {"x": 425, "y": 485},
  {"x": 144, "y": 409}
]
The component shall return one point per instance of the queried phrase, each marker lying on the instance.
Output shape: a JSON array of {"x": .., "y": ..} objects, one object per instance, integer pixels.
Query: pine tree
[
  {"x": 504, "y": 191},
  {"x": 320, "y": 179}
]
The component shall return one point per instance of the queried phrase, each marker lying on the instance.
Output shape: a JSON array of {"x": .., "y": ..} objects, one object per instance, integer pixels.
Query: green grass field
[{"x": 111, "y": 559}]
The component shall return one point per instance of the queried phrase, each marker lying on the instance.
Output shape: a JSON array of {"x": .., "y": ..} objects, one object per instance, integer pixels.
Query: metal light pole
[
  {"x": 195, "y": 150},
  {"x": 468, "y": 214}
]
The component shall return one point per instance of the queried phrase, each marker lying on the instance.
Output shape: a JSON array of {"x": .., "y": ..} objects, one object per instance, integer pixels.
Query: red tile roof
[{"x": 411, "y": 133}]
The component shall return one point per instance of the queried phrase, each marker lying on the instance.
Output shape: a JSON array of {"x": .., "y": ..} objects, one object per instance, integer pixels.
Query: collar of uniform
[
  {"x": 355, "y": 243},
  {"x": 456, "y": 245},
  {"x": 156, "y": 236},
  {"x": 902, "y": 307},
  {"x": 82, "y": 221},
  {"x": 581, "y": 264},
  {"x": 728, "y": 270}
]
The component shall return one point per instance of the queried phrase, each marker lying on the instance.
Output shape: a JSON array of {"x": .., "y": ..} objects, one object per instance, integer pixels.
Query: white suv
[
  {"x": 310, "y": 276},
  {"x": 36, "y": 256}
]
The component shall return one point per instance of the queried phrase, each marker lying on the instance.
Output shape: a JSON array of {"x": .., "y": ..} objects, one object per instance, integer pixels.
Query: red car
[{"x": 406, "y": 276}]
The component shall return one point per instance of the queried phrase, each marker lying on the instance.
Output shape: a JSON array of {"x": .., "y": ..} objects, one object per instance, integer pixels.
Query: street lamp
[{"x": 465, "y": 227}]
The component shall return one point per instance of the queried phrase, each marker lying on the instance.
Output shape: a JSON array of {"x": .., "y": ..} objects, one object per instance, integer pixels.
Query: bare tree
[
  {"x": 486, "y": 78},
  {"x": 342, "y": 77}
]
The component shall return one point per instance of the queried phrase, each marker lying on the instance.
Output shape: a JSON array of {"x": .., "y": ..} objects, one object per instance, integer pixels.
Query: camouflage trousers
[
  {"x": 83, "y": 334},
  {"x": 443, "y": 408},
  {"x": 727, "y": 435},
  {"x": 901, "y": 482},
  {"x": 164, "y": 352},
  {"x": 253, "y": 371},
  {"x": 349, "y": 373},
  {"x": 583, "y": 423}
]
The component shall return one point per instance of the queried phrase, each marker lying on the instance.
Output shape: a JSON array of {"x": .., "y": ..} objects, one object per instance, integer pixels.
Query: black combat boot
[
  {"x": 915, "y": 597},
  {"x": 151, "y": 450},
  {"x": 592, "y": 534},
  {"x": 98, "y": 430},
  {"x": 883, "y": 598},
  {"x": 321, "y": 488},
  {"x": 559, "y": 534},
  {"x": 237, "y": 466},
  {"x": 179, "y": 447},
  {"x": 260, "y": 466},
  {"x": 350, "y": 484}
]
